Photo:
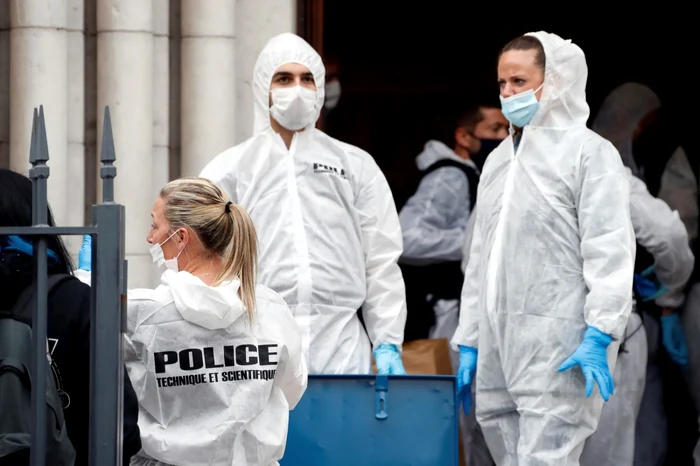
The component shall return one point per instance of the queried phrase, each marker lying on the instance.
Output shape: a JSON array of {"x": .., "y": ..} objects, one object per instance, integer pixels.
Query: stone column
[
  {"x": 208, "y": 91},
  {"x": 38, "y": 66},
  {"x": 257, "y": 21},
  {"x": 76, "y": 120},
  {"x": 125, "y": 83}
]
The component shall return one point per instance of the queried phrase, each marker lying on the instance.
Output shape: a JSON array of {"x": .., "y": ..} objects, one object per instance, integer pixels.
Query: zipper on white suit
[
  {"x": 497, "y": 248},
  {"x": 300, "y": 243}
]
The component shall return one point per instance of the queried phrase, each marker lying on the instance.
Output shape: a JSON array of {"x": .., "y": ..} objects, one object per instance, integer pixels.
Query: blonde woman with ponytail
[{"x": 215, "y": 360}]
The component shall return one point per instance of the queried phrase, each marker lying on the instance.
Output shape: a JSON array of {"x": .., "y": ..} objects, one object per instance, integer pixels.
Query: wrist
[{"x": 597, "y": 336}]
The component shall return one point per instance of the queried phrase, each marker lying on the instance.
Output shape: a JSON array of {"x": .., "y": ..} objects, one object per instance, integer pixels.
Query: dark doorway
[{"x": 406, "y": 70}]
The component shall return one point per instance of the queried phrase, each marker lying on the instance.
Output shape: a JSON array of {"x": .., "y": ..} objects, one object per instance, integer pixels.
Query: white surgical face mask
[
  {"x": 293, "y": 107},
  {"x": 332, "y": 94},
  {"x": 159, "y": 258}
]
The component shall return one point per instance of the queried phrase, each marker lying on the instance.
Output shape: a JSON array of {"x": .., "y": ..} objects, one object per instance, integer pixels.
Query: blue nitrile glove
[
  {"x": 648, "y": 286},
  {"x": 85, "y": 254},
  {"x": 591, "y": 355},
  {"x": 673, "y": 339},
  {"x": 465, "y": 375},
  {"x": 388, "y": 360}
]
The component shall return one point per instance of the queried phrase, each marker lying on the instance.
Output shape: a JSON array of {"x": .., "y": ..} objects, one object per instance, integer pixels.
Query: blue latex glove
[
  {"x": 388, "y": 360},
  {"x": 591, "y": 355},
  {"x": 85, "y": 254},
  {"x": 465, "y": 375},
  {"x": 673, "y": 339},
  {"x": 648, "y": 286}
]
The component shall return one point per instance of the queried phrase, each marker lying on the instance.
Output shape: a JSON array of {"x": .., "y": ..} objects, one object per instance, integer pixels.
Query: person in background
[
  {"x": 622, "y": 117},
  {"x": 330, "y": 234},
  {"x": 548, "y": 286},
  {"x": 333, "y": 89},
  {"x": 434, "y": 219},
  {"x": 68, "y": 327},
  {"x": 491, "y": 129},
  {"x": 661, "y": 235},
  {"x": 627, "y": 114},
  {"x": 215, "y": 359}
]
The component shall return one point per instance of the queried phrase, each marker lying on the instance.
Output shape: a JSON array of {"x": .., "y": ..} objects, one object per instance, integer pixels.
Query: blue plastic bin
[{"x": 368, "y": 420}]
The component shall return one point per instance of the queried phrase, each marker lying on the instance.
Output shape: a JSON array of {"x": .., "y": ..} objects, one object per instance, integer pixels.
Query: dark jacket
[{"x": 69, "y": 344}]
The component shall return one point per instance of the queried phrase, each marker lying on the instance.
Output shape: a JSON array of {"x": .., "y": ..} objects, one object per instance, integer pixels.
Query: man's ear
[{"x": 462, "y": 137}]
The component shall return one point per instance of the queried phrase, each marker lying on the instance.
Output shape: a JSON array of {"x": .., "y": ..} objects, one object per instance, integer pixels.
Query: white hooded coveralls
[
  {"x": 620, "y": 114},
  {"x": 662, "y": 233},
  {"x": 329, "y": 232},
  {"x": 553, "y": 251},
  {"x": 214, "y": 388}
]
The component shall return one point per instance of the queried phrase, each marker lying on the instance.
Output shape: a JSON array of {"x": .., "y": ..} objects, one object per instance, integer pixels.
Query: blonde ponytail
[
  {"x": 242, "y": 256},
  {"x": 224, "y": 229}
]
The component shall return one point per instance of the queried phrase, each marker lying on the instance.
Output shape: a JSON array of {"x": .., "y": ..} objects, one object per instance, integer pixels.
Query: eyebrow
[{"x": 288, "y": 74}]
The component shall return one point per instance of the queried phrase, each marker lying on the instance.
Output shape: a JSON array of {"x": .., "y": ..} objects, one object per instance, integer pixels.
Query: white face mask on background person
[
  {"x": 159, "y": 259},
  {"x": 293, "y": 107},
  {"x": 332, "y": 94}
]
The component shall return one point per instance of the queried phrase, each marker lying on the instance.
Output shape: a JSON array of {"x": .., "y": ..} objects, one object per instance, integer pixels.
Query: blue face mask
[{"x": 520, "y": 108}]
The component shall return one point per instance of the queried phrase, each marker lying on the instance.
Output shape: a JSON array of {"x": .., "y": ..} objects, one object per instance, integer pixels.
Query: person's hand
[
  {"x": 591, "y": 355},
  {"x": 465, "y": 375},
  {"x": 673, "y": 338},
  {"x": 388, "y": 360},
  {"x": 648, "y": 287},
  {"x": 85, "y": 254}
]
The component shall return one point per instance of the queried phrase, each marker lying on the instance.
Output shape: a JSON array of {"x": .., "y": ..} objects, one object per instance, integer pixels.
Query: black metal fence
[{"x": 108, "y": 301}]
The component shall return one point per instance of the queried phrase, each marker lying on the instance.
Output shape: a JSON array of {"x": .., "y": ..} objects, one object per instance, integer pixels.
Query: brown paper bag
[{"x": 425, "y": 357}]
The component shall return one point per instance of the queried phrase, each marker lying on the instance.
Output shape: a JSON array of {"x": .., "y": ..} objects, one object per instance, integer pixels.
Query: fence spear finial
[{"x": 107, "y": 156}]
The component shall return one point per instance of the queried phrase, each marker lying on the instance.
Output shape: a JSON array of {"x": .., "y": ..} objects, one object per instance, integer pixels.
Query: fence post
[
  {"x": 39, "y": 174},
  {"x": 108, "y": 295}
]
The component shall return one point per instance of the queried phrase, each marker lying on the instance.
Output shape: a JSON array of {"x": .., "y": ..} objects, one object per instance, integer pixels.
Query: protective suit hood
[
  {"x": 282, "y": 49},
  {"x": 620, "y": 114},
  {"x": 563, "y": 99},
  {"x": 435, "y": 151},
  {"x": 552, "y": 254},
  {"x": 207, "y": 306}
]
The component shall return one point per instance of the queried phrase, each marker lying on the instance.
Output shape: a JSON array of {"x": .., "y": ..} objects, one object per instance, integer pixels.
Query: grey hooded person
[
  {"x": 661, "y": 231},
  {"x": 621, "y": 117}
]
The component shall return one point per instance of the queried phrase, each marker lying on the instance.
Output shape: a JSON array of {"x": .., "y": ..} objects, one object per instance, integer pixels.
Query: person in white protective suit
[
  {"x": 660, "y": 231},
  {"x": 625, "y": 115},
  {"x": 680, "y": 188},
  {"x": 215, "y": 360},
  {"x": 330, "y": 234},
  {"x": 548, "y": 286}
]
